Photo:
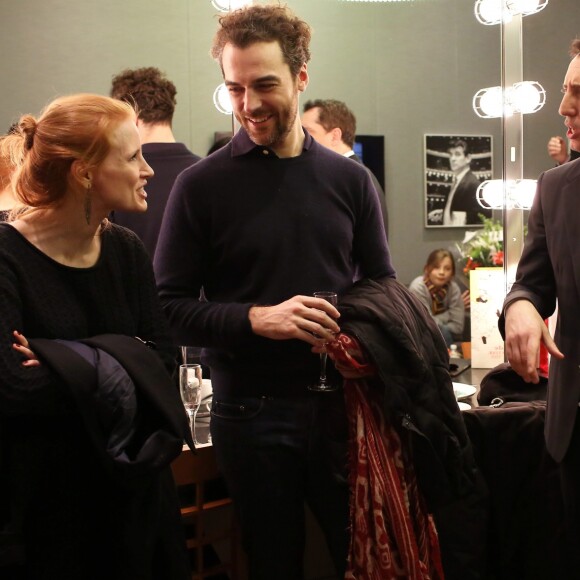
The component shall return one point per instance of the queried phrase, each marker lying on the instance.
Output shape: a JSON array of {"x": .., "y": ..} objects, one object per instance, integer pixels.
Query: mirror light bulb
[
  {"x": 524, "y": 97},
  {"x": 488, "y": 103},
  {"x": 522, "y": 193},
  {"x": 526, "y": 7},
  {"x": 528, "y": 97},
  {"x": 221, "y": 100},
  {"x": 490, "y": 12},
  {"x": 489, "y": 194},
  {"x": 519, "y": 194},
  {"x": 229, "y": 5}
]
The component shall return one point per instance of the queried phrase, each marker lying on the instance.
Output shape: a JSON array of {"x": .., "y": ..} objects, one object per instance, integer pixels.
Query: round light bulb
[
  {"x": 524, "y": 6},
  {"x": 221, "y": 100},
  {"x": 490, "y": 12},
  {"x": 490, "y": 194},
  {"x": 489, "y": 102},
  {"x": 528, "y": 97},
  {"x": 523, "y": 192},
  {"x": 229, "y": 5}
]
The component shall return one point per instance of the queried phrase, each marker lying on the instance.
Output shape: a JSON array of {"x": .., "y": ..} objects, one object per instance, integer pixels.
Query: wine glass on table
[
  {"x": 323, "y": 386},
  {"x": 190, "y": 380}
]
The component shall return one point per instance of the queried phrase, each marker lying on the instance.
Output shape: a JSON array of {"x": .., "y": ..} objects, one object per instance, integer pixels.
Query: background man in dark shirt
[
  {"x": 262, "y": 224},
  {"x": 153, "y": 96},
  {"x": 333, "y": 125}
]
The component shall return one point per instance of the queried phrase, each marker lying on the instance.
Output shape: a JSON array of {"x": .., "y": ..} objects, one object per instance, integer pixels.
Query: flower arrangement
[{"x": 482, "y": 248}]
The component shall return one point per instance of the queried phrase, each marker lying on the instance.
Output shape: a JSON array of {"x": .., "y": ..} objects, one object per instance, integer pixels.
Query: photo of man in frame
[{"x": 454, "y": 168}]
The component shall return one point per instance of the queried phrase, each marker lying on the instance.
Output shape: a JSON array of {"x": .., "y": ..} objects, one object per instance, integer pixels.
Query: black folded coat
[{"x": 160, "y": 421}]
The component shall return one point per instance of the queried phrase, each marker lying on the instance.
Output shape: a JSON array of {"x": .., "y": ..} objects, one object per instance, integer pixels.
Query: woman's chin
[{"x": 140, "y": 207}]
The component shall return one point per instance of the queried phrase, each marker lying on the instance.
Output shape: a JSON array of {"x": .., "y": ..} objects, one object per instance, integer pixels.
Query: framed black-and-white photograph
[{"x": 455, "y": 165}]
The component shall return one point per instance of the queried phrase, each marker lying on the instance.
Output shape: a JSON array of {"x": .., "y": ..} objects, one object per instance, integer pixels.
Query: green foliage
[{"x": 482, "y": 248}]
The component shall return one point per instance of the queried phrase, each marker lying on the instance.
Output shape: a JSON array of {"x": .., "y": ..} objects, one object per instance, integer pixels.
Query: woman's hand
[{"x": 21, "y": 346}]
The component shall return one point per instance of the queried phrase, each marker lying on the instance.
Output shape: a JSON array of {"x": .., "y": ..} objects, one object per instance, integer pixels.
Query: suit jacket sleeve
[{"x": 535, "y": 275}]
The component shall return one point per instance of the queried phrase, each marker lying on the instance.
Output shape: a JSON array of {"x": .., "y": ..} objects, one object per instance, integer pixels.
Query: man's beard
[{"x": 282, "y": 127}]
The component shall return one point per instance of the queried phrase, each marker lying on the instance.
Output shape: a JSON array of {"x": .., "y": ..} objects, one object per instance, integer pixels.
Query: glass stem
[
  {"x": 323, "y": 356},
  {"x": 194, "y": 416},
  {"x": 191, "y": 423}
]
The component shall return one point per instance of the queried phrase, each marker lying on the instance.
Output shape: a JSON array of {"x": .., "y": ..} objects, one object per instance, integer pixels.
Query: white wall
[{"x": 56, "y": 47}]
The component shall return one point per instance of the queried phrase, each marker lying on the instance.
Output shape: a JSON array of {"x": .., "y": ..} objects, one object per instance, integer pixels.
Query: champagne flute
[
  {"x": 322, "y": 386},
  {"x": 190, "y": 380}
]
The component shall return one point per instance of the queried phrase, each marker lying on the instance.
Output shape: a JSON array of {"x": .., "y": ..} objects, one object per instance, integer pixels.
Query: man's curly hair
[
  {"x": 267, "y": 23},
  {"x": 149, "y": 91}
]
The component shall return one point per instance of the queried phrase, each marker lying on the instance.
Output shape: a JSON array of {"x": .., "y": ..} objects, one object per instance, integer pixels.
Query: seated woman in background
[{"x": 441, "y": 295}]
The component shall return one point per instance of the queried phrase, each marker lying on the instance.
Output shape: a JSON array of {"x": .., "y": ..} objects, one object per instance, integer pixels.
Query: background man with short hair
[
  {"x": 333, "y": 124},
  {"x": 153, "y": 96}
]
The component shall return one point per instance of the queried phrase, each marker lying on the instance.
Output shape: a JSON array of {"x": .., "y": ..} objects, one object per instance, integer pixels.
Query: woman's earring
[{"x": 88, "y": 204}]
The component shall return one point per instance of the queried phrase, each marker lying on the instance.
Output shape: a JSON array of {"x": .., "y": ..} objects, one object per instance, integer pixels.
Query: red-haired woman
[{"x": 86, "y": 438}]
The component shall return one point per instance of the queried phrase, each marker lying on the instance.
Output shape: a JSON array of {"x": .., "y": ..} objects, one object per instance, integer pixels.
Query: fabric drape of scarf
[
  {"x": 437, "y": 295},
  {"x": 392, "y": 535}
]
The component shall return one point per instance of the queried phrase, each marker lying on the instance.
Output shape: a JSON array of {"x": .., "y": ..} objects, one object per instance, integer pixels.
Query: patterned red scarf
[
  {"x": 437, "y": 295},
  {"x": 392, "y": 535}
]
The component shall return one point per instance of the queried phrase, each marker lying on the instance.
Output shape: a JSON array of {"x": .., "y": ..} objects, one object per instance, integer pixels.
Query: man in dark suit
[
  {"x": 549, "y": 270},
  {"x": 333, "y": 124}
]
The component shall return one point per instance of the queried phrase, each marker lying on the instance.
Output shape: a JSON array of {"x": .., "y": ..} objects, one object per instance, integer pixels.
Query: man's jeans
[{"x": 275, "y": 454}]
